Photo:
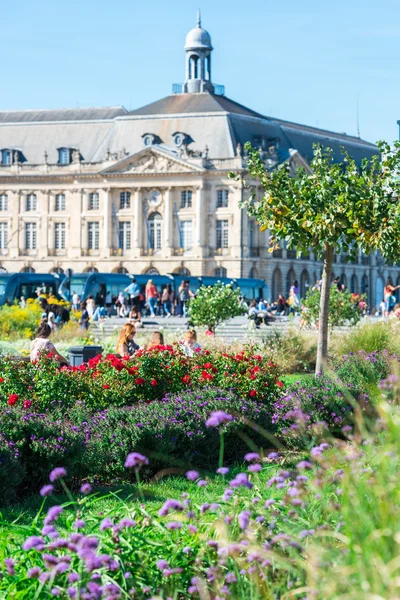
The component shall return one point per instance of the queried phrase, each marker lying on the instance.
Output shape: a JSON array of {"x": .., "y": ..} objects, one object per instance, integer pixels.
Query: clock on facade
[{"x": 154, "y": 197}]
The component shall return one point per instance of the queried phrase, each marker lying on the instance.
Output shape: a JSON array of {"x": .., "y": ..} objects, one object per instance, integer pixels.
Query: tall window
[
  {"x": 31, "y": 202},
  {"x": 186, "y": 199},
  {"x": 222, "y": 233},
  {"x": 3, "y": 235},
  {"x": 186, "y": 234},
  {"x": 155, "y": 225},
  {"x": 222, "y": 198},
  {"x": 6, "y": 157},
  {"x": 64, "y": 156},
  {"x": 30, "y": 236},
  {"x": 93, "y": 201},
  {"x": 93, "y": 235},
  {"x": 59, "y": 236},
  {"x": 60, "y": 202},
  {"x": 3, "y": 202},
  {"x": 125, "y": 200},
  {"x": 124, "y": 235}
]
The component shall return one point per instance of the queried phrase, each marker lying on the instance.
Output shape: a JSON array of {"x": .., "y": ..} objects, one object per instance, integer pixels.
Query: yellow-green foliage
[
  {"x": 371, "y": 337},
  {"x": 17, "y": 322}
]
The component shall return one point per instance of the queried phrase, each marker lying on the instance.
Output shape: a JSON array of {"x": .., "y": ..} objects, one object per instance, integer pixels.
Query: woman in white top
[{"x": 41, "y": 345}]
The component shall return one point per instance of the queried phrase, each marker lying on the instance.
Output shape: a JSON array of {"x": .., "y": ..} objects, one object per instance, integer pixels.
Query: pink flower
[{"x": 27, "y": 403}]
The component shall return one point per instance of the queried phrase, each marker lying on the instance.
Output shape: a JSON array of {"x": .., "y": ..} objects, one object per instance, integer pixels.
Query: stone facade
[{"x": 148, "y": 190}]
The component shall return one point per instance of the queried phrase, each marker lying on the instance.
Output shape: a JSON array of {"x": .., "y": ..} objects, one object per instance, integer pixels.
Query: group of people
[{"x": 262, "y": 311}]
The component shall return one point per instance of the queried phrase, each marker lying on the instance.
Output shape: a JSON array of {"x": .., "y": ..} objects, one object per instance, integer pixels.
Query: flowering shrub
[
  {"x": 17, "y": 322},
  {"x": 149, "y": 375},
  {"x": 172, "y": 431},
  {"x": 214, "y": 305},
  {"x": 344, "y": 307}
]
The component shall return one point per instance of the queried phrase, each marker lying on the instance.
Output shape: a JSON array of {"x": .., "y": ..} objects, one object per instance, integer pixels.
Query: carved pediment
[{"x": 152, "y": 161}]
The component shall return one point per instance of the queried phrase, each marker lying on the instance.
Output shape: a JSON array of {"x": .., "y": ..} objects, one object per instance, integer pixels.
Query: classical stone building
[{"x": 148, "y": 190}]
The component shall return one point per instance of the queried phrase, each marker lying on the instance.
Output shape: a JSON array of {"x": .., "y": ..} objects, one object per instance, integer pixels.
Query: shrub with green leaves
[
  {"x": 215, "y": 304},
  {"x": 345, "y": 308}
]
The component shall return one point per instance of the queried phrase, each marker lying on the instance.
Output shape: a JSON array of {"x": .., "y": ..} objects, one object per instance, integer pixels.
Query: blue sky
[{"x": 303, "y": 61}]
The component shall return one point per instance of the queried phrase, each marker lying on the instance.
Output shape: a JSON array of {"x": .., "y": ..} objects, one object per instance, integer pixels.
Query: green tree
[
  {"x": 329, "y": 207},
  {"x": 214, "y": 305}
]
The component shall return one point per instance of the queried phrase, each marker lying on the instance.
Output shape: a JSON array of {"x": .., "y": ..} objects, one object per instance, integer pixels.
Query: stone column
[
  {"x": 14, "y": 224},
  {"x": 137, "y": 220},
  {"x": 167, "y": 220},
  {"x": 75, "y": 230},
  {"x": 200, "y": 217},
  {"x": 107, "y": 223}
]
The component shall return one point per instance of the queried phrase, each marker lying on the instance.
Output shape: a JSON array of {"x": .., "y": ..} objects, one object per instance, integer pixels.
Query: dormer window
[
  {"x": 179, "y": 139},
  {"x": 148, "y": 139},
  {"x": 64, "y": 156},
  {"x": 6, "y": 157}
]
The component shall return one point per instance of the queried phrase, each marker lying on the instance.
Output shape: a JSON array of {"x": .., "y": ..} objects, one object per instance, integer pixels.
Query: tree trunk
[{"x": 322, "y": 351}]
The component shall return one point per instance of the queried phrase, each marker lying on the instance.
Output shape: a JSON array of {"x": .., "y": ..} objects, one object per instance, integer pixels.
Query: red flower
[
  {"x": 139, "y": 381},
  {"x": 207, "y": 365},
  {"x": 209, "y": 332},
  {"x": 27, "y": 403},
  {"x": 12, "y": 399},
  {"x": 186, "y": 379},
  {"x": 253, "y": 393},
  {"x": 1, "y": 379},
  {"x": 106, "y": 386},
  {"x": 132, "y": 370},
  {"x": 253, "y": 377},
  {"x": 280, "y": 384},
  {"x": 154, "y": 382}
]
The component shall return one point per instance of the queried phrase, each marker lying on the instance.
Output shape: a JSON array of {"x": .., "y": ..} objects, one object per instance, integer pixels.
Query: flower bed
[{"x": 113, "y": 381}]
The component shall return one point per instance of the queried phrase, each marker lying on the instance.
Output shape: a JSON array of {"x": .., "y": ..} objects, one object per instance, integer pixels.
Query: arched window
[
  {"x": 154, "y": 224},
  {"x": 31, "y": 202},
  {"x": 182, "y": 271},
  {"x": 364, "y": 284},
  {"x": 379, "y": 290},
  {"x": 343, "y": 279},
  {"x": 58, "y": 270},
  {"x": 354, "y": 284},
  {"x": 253, "y": 273},
  {"x": 121, "y": 270},
  {"x": 290, "y": 279},
  {"x": 27, "y": 270},
  {"x": 304, "y": 283},
  {"x": 151, "y": 271},
  {"x": 276, "y": 284},
  {"x": 220, "y": 272},
  {"x": 208, "y": 68},
  {"x": 60, "y": 202},
  {"x": 90, "y": 270}
]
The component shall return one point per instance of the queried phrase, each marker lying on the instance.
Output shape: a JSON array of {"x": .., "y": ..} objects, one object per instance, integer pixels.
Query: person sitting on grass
[
  {"x": 125, "y": 344},
  {"x": 42, "y": 346},
  {"x": 190, "y": 345},
  {"x": 157, "y": 339}
]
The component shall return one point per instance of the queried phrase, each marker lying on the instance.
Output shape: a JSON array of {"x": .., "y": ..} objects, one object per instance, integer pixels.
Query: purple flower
[
  {"x": 57, "y": 473},
  {"x": 34, "y": 573},
  {"x": 243, "y": 519},
  {"x": 127, "y": 522},
  {"x": 252, "y": 457},
  {"x": 52, "y": 514},
  {"x": 273, "y": 455},
  {"x": 219, "y": 417},
  {"x": 47, "y": 490},
  {"x": 86, "y": 488},
  {"x": 269, "y": 503},
  {"x": 33, "y": 542},
  {"x": 73, "y": 577},
  {"x": 255, "y": 468},
  {"x": 241, "y": 479},
  {"x": 187, "y": 550},
  {"x": 202, "y": 483},
  {"x": 106, "y": 524},
  {"x": 170, "y": 505},
  {"x": 192, "y": 475},
  {"x": 135, "y": 459},
  {"x": 162, "y": 564},
  {"x": 230, "y": 577},
  {"x": 9, "y": 565},
  {"x": 79, "y": 524},
  {"x": 174, "y": 525},
  {"x": 304, "y": 464},
  {"x": 222, "y": 470}
]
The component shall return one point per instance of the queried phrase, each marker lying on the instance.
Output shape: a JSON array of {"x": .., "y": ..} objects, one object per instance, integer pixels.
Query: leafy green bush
[
  {"x": 362, "y": 372},
  {"x": 12, "y": 471},
  {"x": 344, "y": 307},
  {"x": 370, "y": 337},
  {"x": 214, "y": 305}
]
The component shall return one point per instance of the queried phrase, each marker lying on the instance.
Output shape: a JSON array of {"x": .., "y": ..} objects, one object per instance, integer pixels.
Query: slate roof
[
  {"x": 210, "y": 120},
  {"x": 62, "y": 114}
]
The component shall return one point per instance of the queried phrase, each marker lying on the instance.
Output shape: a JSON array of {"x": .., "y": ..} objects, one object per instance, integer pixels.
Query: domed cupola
[{"x": 198, "y": 60}]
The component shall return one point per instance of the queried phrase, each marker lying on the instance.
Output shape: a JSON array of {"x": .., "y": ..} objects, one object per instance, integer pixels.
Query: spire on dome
[{"x": 198, "y": 18}]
